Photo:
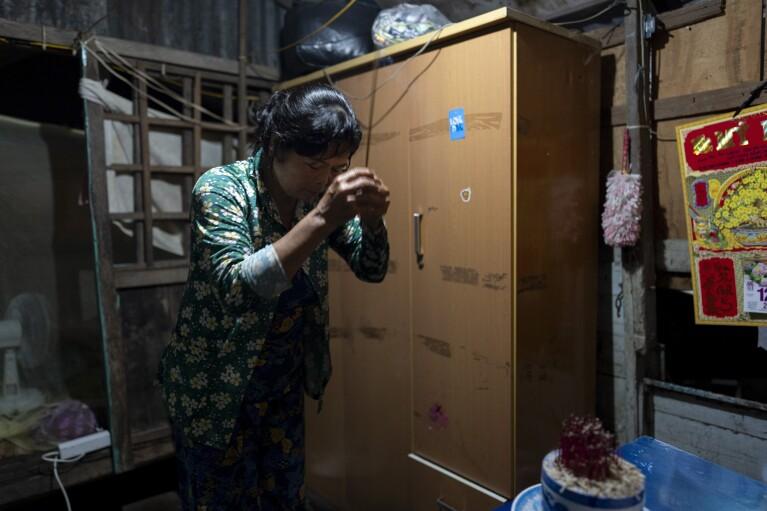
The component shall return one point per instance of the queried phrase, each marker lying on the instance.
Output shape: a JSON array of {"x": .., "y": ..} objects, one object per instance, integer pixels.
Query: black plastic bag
[{"x": 346, "y": 38}]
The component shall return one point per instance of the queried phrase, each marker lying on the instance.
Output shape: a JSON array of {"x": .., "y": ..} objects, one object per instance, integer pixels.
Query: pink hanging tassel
[{"x": 622, "y": 215}]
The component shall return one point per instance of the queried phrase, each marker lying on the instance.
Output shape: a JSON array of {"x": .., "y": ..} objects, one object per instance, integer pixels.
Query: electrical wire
[
  {"x": 52, "y": 457},
  {"x": 320, "y": 29},
  {"x": 149, "y": 81},
  {"x": 137, "y": 89},
  {"x": 378, "y": 87},
  {"x": 592, "y": 17},
  {"x": 156, "y": 84}
]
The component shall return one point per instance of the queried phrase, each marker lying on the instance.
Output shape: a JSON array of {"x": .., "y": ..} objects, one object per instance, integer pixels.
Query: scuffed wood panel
[
  {"x": 713, "y": 54},
  {"x": 732, "y": 439},
  {"x": 614, "y": 77},
  {"x": 670, "y": 220}
]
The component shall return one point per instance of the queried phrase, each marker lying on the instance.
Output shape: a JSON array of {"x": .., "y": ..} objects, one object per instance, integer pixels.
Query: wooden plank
[
  {"x": 146, "y": 176},
  {"x": 30, "y": 476},
  {"x": 179, "y": 169},
  {"x": 197, "y": 130},
  {"x": 209, "y": 75},
  {"x": 731, "y": 436},
  {"x": 673, "y": 256},
  {"x": 138, "y": 231},
  {"x": 638, "y": 261},
  {"x": 689, "y": 14},
  {"x": 493, "y": 19},
  {"x": 717, "y": 53},
  {"x": 227, "y": 114},
  {"x": 154, "y": 169},
  {"x": 35, "y": 477},
  {"x": 181, "y": 215},
  {"x": 187, "y": 158},
  {"x": 151, "y": 435},
  {"x": 26, "y": 32},
  {"x": 763, "y": 39},
  {"x": 696, "y": 104},
  {"x": 183, "y": 58},
  {"x": 720, "y": 400},
  {"x": 114, "y": 350},
  {"x": 242, "y": 91},
  {"x": 671, "y": 221},
  {"x": 125, "y": 279},
  {"x": 174, "y": 123},
  {"x": 126, "y": 167},
  {"x": 210, "y": 126},
  {"x": 119, "y": 117}
]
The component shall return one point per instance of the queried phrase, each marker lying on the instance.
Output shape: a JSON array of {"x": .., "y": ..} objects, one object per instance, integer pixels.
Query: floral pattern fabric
[
  {"x": 223, "y": 323},
  {"x": 262, "y": 468}
]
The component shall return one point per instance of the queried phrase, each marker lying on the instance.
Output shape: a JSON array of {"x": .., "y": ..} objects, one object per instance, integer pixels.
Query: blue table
[{"x": 680, "y": 481}]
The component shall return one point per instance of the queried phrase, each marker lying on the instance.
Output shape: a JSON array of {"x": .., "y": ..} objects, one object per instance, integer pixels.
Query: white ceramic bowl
[{"x": 558, "y": 498}]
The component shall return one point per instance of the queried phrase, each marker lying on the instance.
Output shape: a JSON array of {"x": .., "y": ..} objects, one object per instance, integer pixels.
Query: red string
[{"x": 626, "y": 143}]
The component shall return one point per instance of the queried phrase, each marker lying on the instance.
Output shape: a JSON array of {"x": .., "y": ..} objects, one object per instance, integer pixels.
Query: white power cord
[{"x": 52, "y": 457}]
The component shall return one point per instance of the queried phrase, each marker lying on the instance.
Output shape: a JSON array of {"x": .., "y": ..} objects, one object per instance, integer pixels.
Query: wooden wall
[
  {"x": 704, "y": 57},
  {"x": 702, "y": 67}
]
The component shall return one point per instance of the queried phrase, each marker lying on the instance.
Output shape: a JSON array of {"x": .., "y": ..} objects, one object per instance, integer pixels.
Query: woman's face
[{"x": 306, "y": 178}]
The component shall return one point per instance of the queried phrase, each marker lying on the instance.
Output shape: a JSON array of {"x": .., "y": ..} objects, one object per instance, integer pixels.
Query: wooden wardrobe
[{"x": 452, "y": 377}]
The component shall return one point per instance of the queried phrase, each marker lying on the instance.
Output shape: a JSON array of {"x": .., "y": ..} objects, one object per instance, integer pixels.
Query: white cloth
[{"x": 165, "y": 149}]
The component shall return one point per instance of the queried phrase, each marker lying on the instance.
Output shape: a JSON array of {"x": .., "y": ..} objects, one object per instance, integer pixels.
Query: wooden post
[
  {"x": 111, "y": 336},
  {"x": 639, "y": 261},
  {"x": 242, "y": 90},
  {"x": 143, "y": 113}
]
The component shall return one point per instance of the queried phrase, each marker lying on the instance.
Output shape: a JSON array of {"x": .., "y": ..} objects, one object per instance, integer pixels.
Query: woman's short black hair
[{"x": 315, "y": 120}]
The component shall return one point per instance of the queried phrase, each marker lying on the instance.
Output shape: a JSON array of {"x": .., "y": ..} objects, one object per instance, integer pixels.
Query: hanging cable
[
  {"x": 320, "y": 29},
  {"x": 130, "y": 84},
  {"x": 52, "y": 457},
  {"x": 378, "y": 87},
  {"x": 592, "y": 17},
  {"x": 105, "y": 55},
  {"x": 156, "y": 84}
]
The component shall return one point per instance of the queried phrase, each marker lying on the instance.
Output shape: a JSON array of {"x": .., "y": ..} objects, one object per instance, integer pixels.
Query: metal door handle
[{"x": 417, "y": 218}]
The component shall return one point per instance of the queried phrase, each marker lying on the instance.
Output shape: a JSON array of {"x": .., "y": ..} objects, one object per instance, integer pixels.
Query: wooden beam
[
  {"x": 197, "y": 129},
  {"x": 138, "y": 231},
  {"x": 696, "y": 104},
  {"x": 242, "y": 91},
  {"x": 688, "y": 15},
  {"x": 155, "y": 169},
  {"x": 712, "y": 397},
  {"x": 174, "y": 123},
  {"x": 639, "y": 261},
  {"x": 209, "y": 75},
  {"x": 28, "y": 476},
  {"x": 146, "y": 176},
  {"x": 726, "y": 430},
  {"x": 180, "y": 215},
  {"x": 111, "y": 336},
  {"x": 228, "y": 111},
  {"x": 188, "y": 159},
  {"x": 125, "y": 279},
  {"x": 67, "y": 38}
]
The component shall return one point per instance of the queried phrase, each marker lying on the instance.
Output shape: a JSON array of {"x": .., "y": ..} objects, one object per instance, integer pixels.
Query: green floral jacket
[{"x": 222, "y": 324}]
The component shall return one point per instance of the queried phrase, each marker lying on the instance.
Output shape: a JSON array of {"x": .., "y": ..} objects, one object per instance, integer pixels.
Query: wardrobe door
[{"x": 460, "y": 167}]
